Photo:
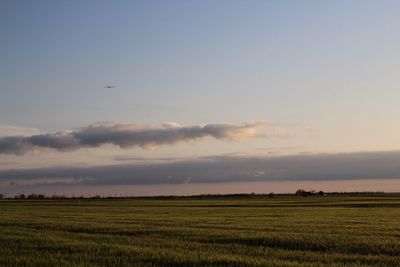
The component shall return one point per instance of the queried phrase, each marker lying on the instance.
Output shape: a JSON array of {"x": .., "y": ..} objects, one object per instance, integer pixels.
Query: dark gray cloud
[
  {"x": 376, "y": 165},
  {"x": 125, "y": 136}
]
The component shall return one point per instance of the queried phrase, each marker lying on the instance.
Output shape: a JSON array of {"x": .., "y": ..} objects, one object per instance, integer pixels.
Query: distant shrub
[
  {"x": 300, "y": 192},
  {"x": 304, "y": 193},
  {"x": 36, "y": 196}
]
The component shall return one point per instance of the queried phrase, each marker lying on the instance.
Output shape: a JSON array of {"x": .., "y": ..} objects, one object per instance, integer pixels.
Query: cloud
[
  {"x": 146, "y": 159},
  {"x": 13, "y": 130},
  {"x": 126, "y": 136},
  {"x": 281, "y": 133},
  {"x": 317, "y": 167},
  {"x": 47, "y": 181}
]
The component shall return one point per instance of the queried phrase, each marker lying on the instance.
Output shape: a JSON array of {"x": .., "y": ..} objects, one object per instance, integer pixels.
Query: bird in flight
[{"x": 109, "y": 86}]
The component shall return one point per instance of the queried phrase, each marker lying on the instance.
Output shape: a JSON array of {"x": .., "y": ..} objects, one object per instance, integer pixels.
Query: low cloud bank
[
  {"x": 322, "y": 167},
  {"x": 126, "y": 136}
]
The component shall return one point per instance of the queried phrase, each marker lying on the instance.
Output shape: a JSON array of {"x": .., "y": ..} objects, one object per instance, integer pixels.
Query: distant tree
[
  {"x": 271, "y": 195},
  {"x": 321, "y": 193},
  {"x": 300, "y": 192},
  {"x": 32, "y": 196},
  {"x": 304, "y": 193},
  {"x": 1, "y": 196},
  {"x": 20, "y": 196}
]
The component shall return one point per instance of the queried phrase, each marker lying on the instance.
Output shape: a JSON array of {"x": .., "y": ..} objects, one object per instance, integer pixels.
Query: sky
[{"x": 205, "y": 96}]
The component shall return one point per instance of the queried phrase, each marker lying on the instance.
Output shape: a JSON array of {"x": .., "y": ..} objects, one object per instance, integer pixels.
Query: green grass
[{"x": 280, "y": 231}]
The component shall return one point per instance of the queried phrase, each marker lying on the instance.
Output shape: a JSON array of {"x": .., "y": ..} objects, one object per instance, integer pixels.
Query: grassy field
[{"x": 279, "y": 231}]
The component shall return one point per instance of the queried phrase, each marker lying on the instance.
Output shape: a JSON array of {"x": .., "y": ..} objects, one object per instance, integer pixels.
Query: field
[{"x": 261, "y": 231}]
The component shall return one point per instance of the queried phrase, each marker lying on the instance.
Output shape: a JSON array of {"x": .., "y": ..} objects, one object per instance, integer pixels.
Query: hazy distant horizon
[{"x": 266, "y": 187}]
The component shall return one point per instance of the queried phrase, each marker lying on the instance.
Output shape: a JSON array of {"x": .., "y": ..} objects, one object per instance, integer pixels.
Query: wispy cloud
[
  {"x": 126, "y": 136},
  {"x": 14, "y": 130}
]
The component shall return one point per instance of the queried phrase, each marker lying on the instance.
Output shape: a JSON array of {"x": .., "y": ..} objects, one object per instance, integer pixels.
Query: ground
[{"x": 259, "y": 231}]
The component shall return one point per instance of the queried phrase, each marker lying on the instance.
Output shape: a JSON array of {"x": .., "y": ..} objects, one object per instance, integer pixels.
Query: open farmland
[{"x": 279, "y": 231}]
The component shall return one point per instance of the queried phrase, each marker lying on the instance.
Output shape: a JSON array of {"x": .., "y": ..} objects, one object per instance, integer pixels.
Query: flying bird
[{"x": 109, "y": 86}]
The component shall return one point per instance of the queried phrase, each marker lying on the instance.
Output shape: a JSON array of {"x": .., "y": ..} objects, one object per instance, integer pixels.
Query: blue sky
[{"x": 323, "y": 75}]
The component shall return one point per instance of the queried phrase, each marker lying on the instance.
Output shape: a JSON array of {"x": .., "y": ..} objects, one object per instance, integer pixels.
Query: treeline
[
  {"x": 304, "y": 193},
  {"x": 299, "y": 192}
]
